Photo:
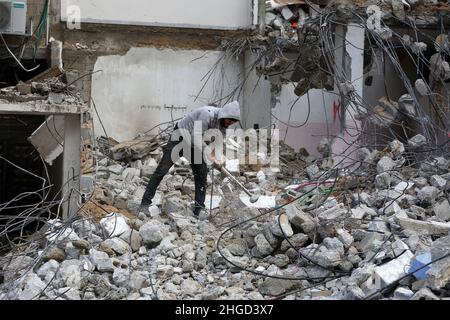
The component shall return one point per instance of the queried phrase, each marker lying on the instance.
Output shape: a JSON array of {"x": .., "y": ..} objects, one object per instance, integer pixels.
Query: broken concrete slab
[
  {"x": 48, "y": 139},
  {"x": 337, "y": 213},
  {"x": 429, "y": 228}
]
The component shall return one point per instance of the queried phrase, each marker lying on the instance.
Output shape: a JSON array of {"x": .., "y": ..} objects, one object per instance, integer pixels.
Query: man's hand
[{"x": 217, "y": 165}]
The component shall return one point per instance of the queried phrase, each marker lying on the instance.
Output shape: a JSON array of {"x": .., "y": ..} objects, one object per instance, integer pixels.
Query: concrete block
[{"x": 393, "y": 270}]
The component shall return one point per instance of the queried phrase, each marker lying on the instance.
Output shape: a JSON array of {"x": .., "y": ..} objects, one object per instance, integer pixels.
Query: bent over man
[{"x": 205, "y": 118}]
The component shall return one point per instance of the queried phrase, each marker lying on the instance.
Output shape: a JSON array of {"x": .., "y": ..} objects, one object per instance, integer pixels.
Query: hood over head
[{"x": 231, "y": 111}]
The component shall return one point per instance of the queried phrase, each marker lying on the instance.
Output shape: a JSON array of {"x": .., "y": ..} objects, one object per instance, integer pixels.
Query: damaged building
[{"x": 355, "y": 92}]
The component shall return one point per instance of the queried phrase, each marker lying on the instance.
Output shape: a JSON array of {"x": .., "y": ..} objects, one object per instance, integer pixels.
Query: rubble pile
[
  {"x": 284, "y": 17},
  {"x": 385, "y": 236},
  {"x": 58, "y": 90}
]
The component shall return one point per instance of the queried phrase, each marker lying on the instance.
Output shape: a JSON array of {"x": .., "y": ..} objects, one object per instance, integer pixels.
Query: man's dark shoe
[
  {"x": 197, "y": 211},
  {"x": 144, "y": 207}
]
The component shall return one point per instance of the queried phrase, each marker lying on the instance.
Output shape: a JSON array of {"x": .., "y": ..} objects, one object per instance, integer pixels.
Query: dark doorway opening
[{"x": 23, "y": 176}]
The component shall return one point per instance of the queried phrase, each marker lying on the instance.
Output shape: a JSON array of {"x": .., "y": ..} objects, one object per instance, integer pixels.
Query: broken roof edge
[{"x": 40, "y": 107}]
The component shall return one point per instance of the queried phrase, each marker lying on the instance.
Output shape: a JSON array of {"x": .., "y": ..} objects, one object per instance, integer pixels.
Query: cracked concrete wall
[{"x": 136, "y": 91}]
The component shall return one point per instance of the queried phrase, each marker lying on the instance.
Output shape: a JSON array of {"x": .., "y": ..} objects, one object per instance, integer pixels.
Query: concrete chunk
[
  {"x": 332, "y": 214},
  {"x": 299, "y": 219},
  {"x": 442, "y": 210},
  {"x": 438, "y": 182},
  {"x": 285, "y": 230},
  {"x": 428, "y": 194},
  {"x": 152, "y": 232},
  {"x": 385, "y": 164},
  {"x": 439, "y": 272},
  {"x": 417, "y": 141},
  {"x": 114, "y": 225},
  {"x": 403, "y": 293},
  {"x": 263, "y": 245},
  {"x": 393, "y": 270}
]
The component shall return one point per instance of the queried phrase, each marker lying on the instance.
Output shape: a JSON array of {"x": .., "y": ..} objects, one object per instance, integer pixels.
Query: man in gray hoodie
[{"x": 187, "y": 131}]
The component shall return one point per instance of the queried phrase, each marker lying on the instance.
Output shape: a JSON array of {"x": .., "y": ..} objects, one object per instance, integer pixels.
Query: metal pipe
[{"x": 253, "y": 198}]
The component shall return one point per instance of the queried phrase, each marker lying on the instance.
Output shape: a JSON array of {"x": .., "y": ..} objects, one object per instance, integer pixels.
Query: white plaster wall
[
  {"x": 136, "y": 92},
  {"x": 217, "y": 14},
  {"x": 309, "y": 122},
  {"x": 321, "y": 103}
]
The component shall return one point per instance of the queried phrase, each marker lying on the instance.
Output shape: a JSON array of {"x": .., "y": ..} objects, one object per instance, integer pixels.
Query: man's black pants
[{"x": 200, "y": 172}]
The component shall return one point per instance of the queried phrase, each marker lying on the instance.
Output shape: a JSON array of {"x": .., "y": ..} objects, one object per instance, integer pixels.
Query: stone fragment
[
  {"x": 397, "y": 148},
  {"x": 424, "y": 294},
  {"x": 114, "y": 225},
  {"x": 313, "y": 171},
  {"x": 438, "y": 182},
  {"x": 48, "y": 269},
  {"x": 421, "y": 87},
  {"x": 133, "y": 238},
  {"x": 345, "y": 238},
  {"x": 263, "y": 245},
  {"x": 299, "y": 219},
  {"x": 152, "y": 232},
  {"x": 417, "y": 141},
  {"x": 403, "y": 293},
  {"x": 190, "y": 287},
  {"x": 118, "y": 245},
  {"x": 101, "y": 261},
  {"x": 121, "y": 277},
  {"x": 428, "y": 194},
  {"x": 334, "y": 244},
  {"x": 33, "y": 287},
  {"x": 337, "y": 213},
  {"x": 137, "y": 281},
  {"x": 383, "y": 180},
  {"x": 385, "y": 164},
  {"x": 297, "y": 241},
  {"x": 116, "y": 169},
  {"x": 275, "y": 287},
  {"x": 173, "y": 205},
  {"x": 286, "y": 229},
  {"x": 442, "y": 210}
]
